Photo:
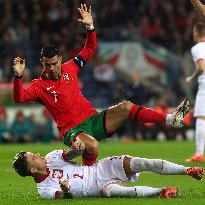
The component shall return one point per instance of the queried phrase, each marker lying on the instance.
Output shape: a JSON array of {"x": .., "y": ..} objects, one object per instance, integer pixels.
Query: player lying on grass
[
  {"x": 57, "y": 177},
  {"x": 77, "y": 120}
]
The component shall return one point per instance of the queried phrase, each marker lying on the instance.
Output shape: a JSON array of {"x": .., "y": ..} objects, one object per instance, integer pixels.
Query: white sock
[
  {"x": 169, "y": 119},
  {"x": 156, "y": 165},
  {"x": 116, "y": 190},
  {"x": 200, "y": 136}
]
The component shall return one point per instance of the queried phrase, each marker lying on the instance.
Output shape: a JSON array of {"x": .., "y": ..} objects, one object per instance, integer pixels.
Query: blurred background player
[
  {"x": 198, "y": 54},
  {"x": 56, "y": 177}
]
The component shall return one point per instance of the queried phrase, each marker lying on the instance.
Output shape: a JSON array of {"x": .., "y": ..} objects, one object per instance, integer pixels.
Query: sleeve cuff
[
  {"x": 18, "y": 77},
  {"x": 90, "y": 28}
]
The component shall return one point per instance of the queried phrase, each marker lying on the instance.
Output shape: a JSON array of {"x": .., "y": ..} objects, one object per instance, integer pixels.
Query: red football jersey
[{"x": 62, "y": 97}]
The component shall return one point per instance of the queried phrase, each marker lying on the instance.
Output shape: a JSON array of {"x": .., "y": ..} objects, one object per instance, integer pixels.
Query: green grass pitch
[{"x": 17, "y": 190}]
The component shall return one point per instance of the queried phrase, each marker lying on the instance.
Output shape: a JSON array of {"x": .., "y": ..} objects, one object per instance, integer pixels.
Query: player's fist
[
  {"x": 78, "y": 144},
  {"x": 64, "y": 184},
  {"x": 85, "y": 15},
  {"x": 189, "y": 79},
  {"x": 66, "y": 189},
  {"x": 19, "y": 66}
]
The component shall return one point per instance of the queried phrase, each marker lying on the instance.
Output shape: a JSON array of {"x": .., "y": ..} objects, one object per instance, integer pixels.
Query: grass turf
[{"x": 17, "y": 190}]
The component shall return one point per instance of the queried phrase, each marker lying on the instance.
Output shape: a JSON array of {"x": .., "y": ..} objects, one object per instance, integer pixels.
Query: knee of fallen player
[
  {"x": 105, "y": 192},
  {"x": 108, "y": 189},
  {"x": 126, "y": 165}
]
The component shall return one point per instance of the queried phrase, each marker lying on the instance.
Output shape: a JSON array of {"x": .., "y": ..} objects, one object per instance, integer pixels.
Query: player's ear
[
  {"x": 34, "y": 170},
  {"x": 61, "y": 58}
]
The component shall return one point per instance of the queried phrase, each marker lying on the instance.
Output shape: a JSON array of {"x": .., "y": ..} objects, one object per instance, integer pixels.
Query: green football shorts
[{"x": 93, "y": 126}]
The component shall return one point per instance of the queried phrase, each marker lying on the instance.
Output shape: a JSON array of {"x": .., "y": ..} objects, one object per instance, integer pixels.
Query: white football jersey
[
  {"x": 81, "y": 179},
  {"x": 198, "y": 52}
]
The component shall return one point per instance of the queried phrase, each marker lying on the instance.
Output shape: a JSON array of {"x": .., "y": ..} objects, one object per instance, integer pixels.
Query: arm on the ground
[
  {"x": 200, "y": 68},
  {"x": 200, "y": 7}
]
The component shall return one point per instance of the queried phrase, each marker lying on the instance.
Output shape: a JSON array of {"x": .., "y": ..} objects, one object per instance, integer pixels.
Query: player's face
[
  {"x": 52, "y": 66},
  {"x": 35, "y": 161}
]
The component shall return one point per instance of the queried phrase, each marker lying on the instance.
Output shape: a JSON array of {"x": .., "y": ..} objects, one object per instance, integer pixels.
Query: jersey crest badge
[{"x": 57, "y": 173}]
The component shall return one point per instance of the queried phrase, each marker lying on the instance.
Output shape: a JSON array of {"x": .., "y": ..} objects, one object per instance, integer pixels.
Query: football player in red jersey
[
  {"x": 80, "y": 125},
  {"x": 199, "y": 6}
]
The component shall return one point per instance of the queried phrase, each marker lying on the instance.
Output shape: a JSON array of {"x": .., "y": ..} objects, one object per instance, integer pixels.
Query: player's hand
[
  {"x": 65, "y": 189},
  {"x": 78, "y": 144},
  {"x": 189, "y": 79},
  {"x": 86, "y": 15},
  {"x": 64, "y": 185},
  {"x": 19, "y": 66}
]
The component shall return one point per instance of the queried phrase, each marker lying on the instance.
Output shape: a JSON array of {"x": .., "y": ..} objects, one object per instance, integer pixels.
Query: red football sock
[
  {"x": 89, "y": 159},
  {"x": 143, "y": 114}
]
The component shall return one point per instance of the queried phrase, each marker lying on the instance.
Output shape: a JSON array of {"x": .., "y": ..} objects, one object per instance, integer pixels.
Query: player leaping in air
[
  {"x": 57, "y": 177},
  {"x": 77, "y": 120}
]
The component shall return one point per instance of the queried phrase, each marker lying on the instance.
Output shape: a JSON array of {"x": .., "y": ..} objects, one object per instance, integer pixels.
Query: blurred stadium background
[{"x": 143, "y": 56}]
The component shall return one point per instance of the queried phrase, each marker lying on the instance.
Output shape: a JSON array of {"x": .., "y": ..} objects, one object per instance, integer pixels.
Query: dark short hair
[
  {"x": 200, "y": 27},
  {"x": 49, "y": 51},
  {"x": 20, "y": 164}
]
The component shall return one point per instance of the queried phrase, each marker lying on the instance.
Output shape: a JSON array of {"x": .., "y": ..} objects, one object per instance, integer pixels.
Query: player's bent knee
[
  {"x": 125, "y": 105},
  {"x": 112, "y": 189},
  {"x": 92, "y": 145},
  {"x": 103, "y": 192}
]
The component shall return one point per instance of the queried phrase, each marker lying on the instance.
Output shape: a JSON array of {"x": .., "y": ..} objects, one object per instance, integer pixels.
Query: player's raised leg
[
  {"x": 134, "y": 165},
  {"x": 117, "y": 114}
]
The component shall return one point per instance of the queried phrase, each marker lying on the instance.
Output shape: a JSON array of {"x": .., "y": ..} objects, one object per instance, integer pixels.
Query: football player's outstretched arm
[
  {"x": 91, "y": 40},
  {"x": 200, "y": 7},
  {"x": 200, "y": 68},
  {"x": 19, "y": 93}
]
